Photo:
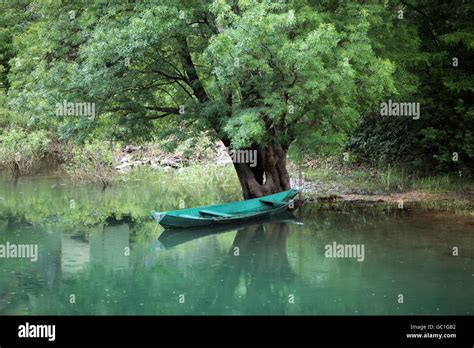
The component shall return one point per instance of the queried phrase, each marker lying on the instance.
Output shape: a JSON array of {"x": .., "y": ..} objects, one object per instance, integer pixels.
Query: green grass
[{"x": 387, "y": 180}]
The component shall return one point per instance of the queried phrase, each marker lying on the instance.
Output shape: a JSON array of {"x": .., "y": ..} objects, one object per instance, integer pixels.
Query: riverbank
[
  {"x": 356, "y": 185},
  {"x": 328, "y": 181}
]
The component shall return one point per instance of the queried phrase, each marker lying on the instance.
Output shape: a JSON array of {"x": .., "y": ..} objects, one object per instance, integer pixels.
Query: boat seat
[{"x": 214, "y": 213}]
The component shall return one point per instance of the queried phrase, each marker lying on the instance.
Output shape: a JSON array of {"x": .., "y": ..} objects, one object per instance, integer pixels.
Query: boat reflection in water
[
  {"x": 173, "y": 237},
  {"x": 255, "y": 268}
]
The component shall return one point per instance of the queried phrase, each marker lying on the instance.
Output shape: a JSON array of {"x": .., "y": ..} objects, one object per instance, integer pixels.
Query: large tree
[{"x": 258, "y": 75}]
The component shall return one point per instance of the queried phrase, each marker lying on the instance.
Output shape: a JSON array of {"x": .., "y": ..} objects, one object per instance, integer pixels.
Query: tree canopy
[
  {"x": 259, "y": 75},
  {"x": 237, "y": 69}
]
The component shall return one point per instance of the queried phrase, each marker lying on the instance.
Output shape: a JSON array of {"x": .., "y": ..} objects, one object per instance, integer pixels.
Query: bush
[
  {"x": 93, "y": 162},
  {"x": 22, "y": 151}
]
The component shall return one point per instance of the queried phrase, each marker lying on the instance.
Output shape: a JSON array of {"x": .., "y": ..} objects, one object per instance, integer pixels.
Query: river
[{"x": 98, "y": 253}]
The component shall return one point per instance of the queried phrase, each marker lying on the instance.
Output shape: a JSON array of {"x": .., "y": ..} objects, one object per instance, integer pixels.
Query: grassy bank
[
  {"x": 333, "y": 185},
  {"x": 326, "y": 181},
  {"x": 388, "y": 180}
]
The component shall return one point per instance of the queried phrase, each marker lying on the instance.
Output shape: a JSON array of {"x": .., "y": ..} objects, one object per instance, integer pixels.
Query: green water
[{"x": 98, "y": 253}]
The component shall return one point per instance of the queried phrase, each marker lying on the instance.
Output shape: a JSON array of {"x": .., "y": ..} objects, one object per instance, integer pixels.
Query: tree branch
[
  {"x": 174, "y": 111},
  {"x": 192, "y": 76},
  {"x": 155, "y": 117},
  {"x": 430, "y": 21},
  {"x": 167, "y": 110}
]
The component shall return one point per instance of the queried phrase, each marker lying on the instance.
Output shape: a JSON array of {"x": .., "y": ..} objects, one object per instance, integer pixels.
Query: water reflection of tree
[{"x": 260, "y": 273}]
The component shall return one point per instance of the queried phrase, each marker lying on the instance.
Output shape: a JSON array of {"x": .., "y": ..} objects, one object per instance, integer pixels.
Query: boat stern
[{"x": 292, "y": 194}]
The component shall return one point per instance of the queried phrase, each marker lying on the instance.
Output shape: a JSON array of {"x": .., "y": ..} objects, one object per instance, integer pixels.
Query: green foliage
[
  {"x": 293, "y": 74},
  {"x": 22, "y": 151},
  {"x": 93, "y": 161},
  {"x": 15, "y": 16},
  {"x": 425, "y": 46},
  {"x": 300, "y": 73},
  {"x": 196, "y": 149},
  {"x": 249, "y": 72},
  {"x": 4, "y": 112}
]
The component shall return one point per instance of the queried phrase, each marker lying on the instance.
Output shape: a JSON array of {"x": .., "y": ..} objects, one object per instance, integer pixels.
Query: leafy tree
[
  {"x": 15, "y": 17},
  {"x": 259, "y": 76}
]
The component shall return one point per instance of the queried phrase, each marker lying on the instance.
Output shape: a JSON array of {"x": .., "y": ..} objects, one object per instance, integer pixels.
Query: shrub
[
  {"x": 22, "y": 151},
  {"x": 93, "y": 162}
]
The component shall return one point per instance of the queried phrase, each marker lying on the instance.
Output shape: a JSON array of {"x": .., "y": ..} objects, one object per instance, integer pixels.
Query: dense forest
[{"x": 388, "y": 82}]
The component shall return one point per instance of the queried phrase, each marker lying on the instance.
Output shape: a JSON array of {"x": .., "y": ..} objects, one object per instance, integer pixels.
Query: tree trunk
[{"x": 268, "y": 176}]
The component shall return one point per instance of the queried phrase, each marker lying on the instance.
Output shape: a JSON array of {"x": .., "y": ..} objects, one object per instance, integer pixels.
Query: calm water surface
[{"x": 98, "y": 253}]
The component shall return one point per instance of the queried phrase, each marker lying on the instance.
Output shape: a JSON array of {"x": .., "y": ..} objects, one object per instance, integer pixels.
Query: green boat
[{"x": 249, "y": 209}]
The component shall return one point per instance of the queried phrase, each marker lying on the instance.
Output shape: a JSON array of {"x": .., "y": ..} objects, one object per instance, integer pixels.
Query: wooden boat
[{"x": 255, "y": 208}]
